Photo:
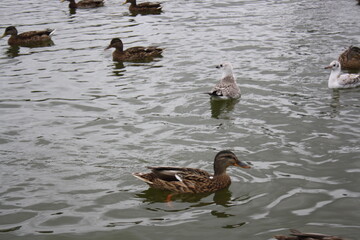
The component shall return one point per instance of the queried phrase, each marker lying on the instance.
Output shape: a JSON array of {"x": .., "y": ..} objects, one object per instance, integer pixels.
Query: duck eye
[{"x": 221, "y": 65}]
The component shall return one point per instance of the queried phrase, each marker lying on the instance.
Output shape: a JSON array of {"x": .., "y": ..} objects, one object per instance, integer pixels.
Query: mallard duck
[
  {"x": 227, "y": 87},
  {"x": 297, "y": 235},
  {"x": 146, "y": 7},
  {"x": 192, "y": 180},
  {"x": 85, "y": 3},
  {"x": 28, "y": 38},
  {"x": 133, "y": 53},
  {"x": 350, "y": 58},
  {"x": 338, "y": 80}
]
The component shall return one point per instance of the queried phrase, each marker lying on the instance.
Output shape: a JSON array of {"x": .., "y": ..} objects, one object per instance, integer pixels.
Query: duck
[
  {"x": 297, "y": 235},
  {"x": 193, "y": 180},
  {"x": 350, "y": 58},
  {"x": 338, "y": 80},
  {"x": 85, "y": 3},
  {"x": 227, "y": 87},
  {"x": 146, "y": 7},
  {"x": 31, "y": 38},
  {"x": 133, "y": 53}
]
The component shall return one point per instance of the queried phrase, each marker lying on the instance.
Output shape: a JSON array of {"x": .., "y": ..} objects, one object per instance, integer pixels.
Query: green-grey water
[{"x": 74, "y": 124}]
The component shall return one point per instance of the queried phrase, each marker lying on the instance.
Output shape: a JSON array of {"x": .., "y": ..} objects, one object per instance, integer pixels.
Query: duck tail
[
  {"x": 52, "y": 31},
  {"x": 140, "y": 176}
]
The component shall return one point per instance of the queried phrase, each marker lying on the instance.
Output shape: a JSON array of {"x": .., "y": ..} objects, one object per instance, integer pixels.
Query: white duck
[
  {"x": 338, "y": 80},
  {"x": 227, "y": 87}
]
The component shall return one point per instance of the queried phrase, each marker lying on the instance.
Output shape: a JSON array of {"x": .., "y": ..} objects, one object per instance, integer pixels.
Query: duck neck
[
  {"x": 219, "y": 169},
  {"x": 334, "y": 75},
  {"x": 119, "y": 48},
  {"x": 133, "y": 3},
  {"x": 72, "y": 4},
  {"x": 228, "y": 76}
]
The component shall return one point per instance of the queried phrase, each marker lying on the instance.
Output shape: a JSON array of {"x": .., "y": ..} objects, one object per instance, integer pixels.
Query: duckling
[
  {"x": 133, "y": 53},
  {"x": 144, "y": 8},
  {"x": 338, "y": 80},
  {"x": 28, "y": 39},
  {"x": 85, "y": 3},
  {"x": 227, "y": 87},
  {"x": 350, "y": 58},
  {"x": 193, "y": 180}
]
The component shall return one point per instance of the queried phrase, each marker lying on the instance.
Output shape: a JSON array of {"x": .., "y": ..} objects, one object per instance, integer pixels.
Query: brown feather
[
  {"x": 350, "y": 58},
  {"x": 31, "y": 38},
  {"x": 192, "y": 180},
  {"x": 134, "y": 53}
]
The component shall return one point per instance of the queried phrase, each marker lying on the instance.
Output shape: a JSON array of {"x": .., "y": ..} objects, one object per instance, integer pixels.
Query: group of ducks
[
  {"x": 188, "y": 180},
  {"x": 182, "y": 179}
]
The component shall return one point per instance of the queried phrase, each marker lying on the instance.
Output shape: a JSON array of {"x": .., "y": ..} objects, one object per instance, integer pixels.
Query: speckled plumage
[
  {"x": 31, "y": 38},
  {"x": 350, "y": 58},
  {"x": 134, "y": 53},
  {"x": 85, "y": 3},
  {"x": 338, "y": 80},
  {"x": 227, "y": 87},
  {"x": 145, "y": 7},
  {"x": 192, "y": 180}
]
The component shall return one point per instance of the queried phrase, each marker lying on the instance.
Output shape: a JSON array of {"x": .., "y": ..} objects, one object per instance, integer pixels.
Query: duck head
[{"x": 225, "y": 159}]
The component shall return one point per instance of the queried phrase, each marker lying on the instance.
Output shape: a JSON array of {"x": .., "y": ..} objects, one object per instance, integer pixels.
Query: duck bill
[
  {"x": 327, "y": 67},
  {"x": 3, "y": 35},
  {"x": 108, "y": 47},
  {"x": 242, "y": 165}
]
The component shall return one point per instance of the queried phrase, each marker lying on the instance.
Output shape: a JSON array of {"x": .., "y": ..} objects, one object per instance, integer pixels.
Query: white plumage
[{"x": 338, "y": 80}]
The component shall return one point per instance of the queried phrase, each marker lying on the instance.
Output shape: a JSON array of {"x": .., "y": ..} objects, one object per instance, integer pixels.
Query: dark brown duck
[
  {"x": 85, "y": 3},
  {"x": 143, "y": 8},
  {"x": 193, "y": 180},
  {"x": 350, "y": 58},
  {"x": 133, "y": 53},
  {"x": 32, "y": 38}
]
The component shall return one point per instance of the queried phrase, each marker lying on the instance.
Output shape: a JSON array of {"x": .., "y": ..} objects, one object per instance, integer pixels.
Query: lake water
[{"x": 74, "y": 124}]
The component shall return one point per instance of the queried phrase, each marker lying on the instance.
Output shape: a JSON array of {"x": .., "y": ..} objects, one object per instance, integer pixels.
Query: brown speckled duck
[
  {"x": 133, "y": 53},
  {"x": 350, "y": 59},
  {"x": 227, "y": 87},
  {"x": 297, "y": 235},
  {"x": 144, "y": 8},
  {"x": 85, "y": 3},
  {"x": 28, "y": 39},
  {"x": 193, "y": 180}
]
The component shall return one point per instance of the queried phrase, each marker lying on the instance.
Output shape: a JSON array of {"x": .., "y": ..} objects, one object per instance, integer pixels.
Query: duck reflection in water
[
  {"x": 13, "y": 51},
  {"x": 152, "y": 195},
  {"x": 220, "y": 107}
]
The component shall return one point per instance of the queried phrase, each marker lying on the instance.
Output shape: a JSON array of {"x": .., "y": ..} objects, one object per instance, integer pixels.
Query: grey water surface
[{"x": 74, "y": 124}]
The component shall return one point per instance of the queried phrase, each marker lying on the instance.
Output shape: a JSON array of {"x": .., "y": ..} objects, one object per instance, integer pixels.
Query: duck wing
[
  {"x": 178, "y": 173},
  {"x": 31, "y": 34},
  {"x": 349, "y": 80},
  {"x": 225, "y": 90},
  {"x": 149, "y": 5}
]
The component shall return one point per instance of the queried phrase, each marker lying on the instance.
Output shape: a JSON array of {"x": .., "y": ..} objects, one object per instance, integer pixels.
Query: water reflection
[
  {"x": 335, "y": 103},
  {"x": 151, "y": 195},
  {"x": 220, "y": 107},
  {"x": 13, "y": 51}
]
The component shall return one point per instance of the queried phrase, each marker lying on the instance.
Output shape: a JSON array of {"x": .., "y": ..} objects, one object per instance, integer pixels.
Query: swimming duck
[
  {"x": 350, "y": 59},
  {"x": 227, "y": 87},
  {"x": 297, "y": 235},
  {"x": 31, "y": 38},
  {"x": 85, "y": 3},
  {"x": 133, "y": 53},
  {"x": 338, "y": 80},
  {"x": 146, "y": 7},
  {"x": 193, "y": 180}
]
